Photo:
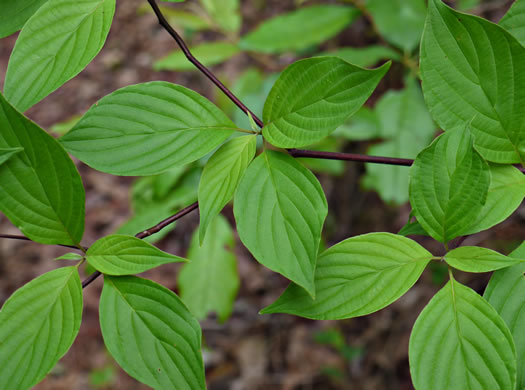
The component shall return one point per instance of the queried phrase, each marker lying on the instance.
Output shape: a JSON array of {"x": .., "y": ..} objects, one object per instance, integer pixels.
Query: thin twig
[
  {"x": 164, "y": 23},
  {"x": 350, "y": 157},
  {"x": 16, "y": 237}
]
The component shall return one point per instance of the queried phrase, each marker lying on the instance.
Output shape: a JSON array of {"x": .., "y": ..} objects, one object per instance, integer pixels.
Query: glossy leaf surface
[
  {"x": 38, "y": 324},
  {"x": 40, "y": 189},
  {"x": 221, "y": 176},
  {"x": 460, "y": 341},
  {"x": 476, "y": 259},
  {"x": 280, "y": 209},
  {"x": 59, "y": 40},
  {"x": 299, "y": 29},
  {"x": 449, "y": 181},
  {"x": 470, "y": 72},
  {"x": 145, "y": 129},
  {"x": 126, "y": 255},
  {"x": 312, "y": 97},
  {"x": 505, "y": 293},
  {"x": 210, "y": 281},
  {"x": 151, "y": 334},
  {"x": 357, "y": 276}
]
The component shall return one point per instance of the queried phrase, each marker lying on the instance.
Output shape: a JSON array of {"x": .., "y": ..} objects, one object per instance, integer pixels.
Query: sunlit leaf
[
  {"x": 59, "y": 40},
  {"x": 38, "y": 324},
  {"x": 357, "y": 276},
  {"x": 476, "y": 259},
  {"x": 145, "y": 129}
]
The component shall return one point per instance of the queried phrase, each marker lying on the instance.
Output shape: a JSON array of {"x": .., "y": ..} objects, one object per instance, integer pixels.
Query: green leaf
[
  {"x": 364, "y": 56},
  {"x": 59, "y": 40},
  {"x": 400, "y": 22},
  {"x": 225, "y": 13},
  {"x": 38, "y": 324},
  {"x": 449, "y": 181},
  {"x": 469, "y": 68},
  {"x": 314, "y": 96},
  {"x": 209, "y": 54},
  {"x": 505, "y": 293},
  {"x": 210, "y": 281},
  {"x": 280, "y": 209},
  {"x": 145, "y": 129},
  {"x": 331, "y": 167},
  {"x": 151, "y": 334},
  {"x": 476, "y": 259},
  {"x": 299, "y": 29},
  {"x": 7, "y": 153},
  {"x": 41, "y": 191},
  {"x": 506, "y": 192},
  {"x": 459, "y": 341},
  {"x": 357, "y": 276},
  {"x": 361, "y": 126},
  {"x": 15, "y": 14},
  {"x": 118, "y": 254},
  {"x": 221, "y": 176},
  {"x": 412, "y": 229},
  {"x": 62, "y": 128},
  {"x": 179, "y": 19},
  {"x": 514, "y": 21},
  {"x": 406, "y": 126},
  {"x": 466, "y": 5},
  {"x": 70, "y": 256}
]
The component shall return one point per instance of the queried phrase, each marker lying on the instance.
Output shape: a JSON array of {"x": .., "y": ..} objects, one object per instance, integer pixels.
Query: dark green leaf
[
  {"x": 145, "y": 129},
  {"x": 7, "y": 153},
  {"x": 210, "y": 281},
  {"x": 126, "y": 255},
  {"x": 469, "y": 68},
  {"x": 312, "y": 97},
  {"x": 280, "y": 209},
  {"x": 459, "y": 341},
  {"x": 357, "y": 276},
  {"x": 151, "y": 334},
  {"x": 505, "y": 293},
  {"x": 40, "y": 189},
  {"x": 15, "y": 14},
  {"x": 38, "y": 324},
  {"x": 58, "y": 42},
  {"x": 449, "y": 181},
  {"x": 299, "y": 29},
  {"x": 221, "y": 176}
]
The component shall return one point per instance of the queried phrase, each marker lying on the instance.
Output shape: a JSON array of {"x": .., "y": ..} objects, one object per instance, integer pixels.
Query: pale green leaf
[
  {"x": 460, "y": 342},
  {"x": 299, "y": 29},
  {"x": 62, "y": 128},
  {"x": 151, "y": 334},
  {"x": 209, "y": 54},
  {"x": 118, "y": 254},
  {"x": 7, "y": 153},
  {"x": 505, "y": 293},
  {"x": 363, "y": 125},
  {"x": 221, "y": 176},
  {"x": 476, "y": 259},
  {"x": 210, "y": 281},
  {"x": 59, "y": 40},
  {"x": 514, "y": 21},
  {"x": 38, "y": 324},
  {"x": 14, "y": 14},
  {"x": 357, "y": 276},
  {"x": 145, "y": 218},
  {"x": 41, "y": 191},
  {"x": 400, "y": 22},
  {"x": 470, "y": 71},
  {"x": 449, "y": 181},
  {"x": 320, "y": 165},
  {"x": 280, "y": 209},
  {"x": 406, "y": 126},
  {"x": 506, "y": 192},
  {"x": 178, "y": 18},
  {"x": 145, "y": 129},
  {"x": 70, "y": 257},
  {"x": 364, "y": 56},
  {"x": 225, "y": 13},
  {"x": 314, "y": 96}
]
